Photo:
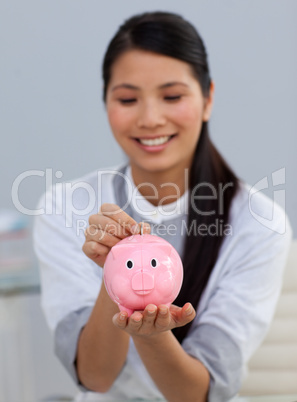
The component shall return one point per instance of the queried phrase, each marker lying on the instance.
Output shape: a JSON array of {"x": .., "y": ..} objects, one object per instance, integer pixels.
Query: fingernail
[
  {"x": 189, "y": 310},
  {"x": 152, "y": 311},
  {"x": 122, "y": 316},
  {"x": 135, "y": 229},
  {"x": 163, "y": 310}
]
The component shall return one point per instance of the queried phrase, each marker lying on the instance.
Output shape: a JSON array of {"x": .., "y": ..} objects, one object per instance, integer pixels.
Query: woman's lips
[{"x": 155, "y": 144}]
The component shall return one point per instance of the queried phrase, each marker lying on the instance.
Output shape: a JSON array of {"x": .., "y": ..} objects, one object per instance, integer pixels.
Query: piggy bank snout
[{"x": 143, "y": 283}]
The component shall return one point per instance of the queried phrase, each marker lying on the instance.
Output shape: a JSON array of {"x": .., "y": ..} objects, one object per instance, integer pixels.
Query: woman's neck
[{"x": 161, "y": 187}]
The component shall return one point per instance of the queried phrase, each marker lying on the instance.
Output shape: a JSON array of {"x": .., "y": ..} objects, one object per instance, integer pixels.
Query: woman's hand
[
  {"x": 178, "y": 375},
  {"x": 106, "y": 229},
  {"x": 154, "y": 320}
]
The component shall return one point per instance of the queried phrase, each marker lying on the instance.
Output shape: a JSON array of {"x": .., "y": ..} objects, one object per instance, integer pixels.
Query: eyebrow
[{"x": 166, "y": 85}]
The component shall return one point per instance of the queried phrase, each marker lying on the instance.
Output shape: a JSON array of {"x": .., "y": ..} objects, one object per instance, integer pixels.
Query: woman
[{"x": 159, "y": 96}]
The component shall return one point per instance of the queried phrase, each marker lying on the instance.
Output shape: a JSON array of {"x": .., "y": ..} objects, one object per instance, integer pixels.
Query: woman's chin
[{"x": 154, "y": 166}]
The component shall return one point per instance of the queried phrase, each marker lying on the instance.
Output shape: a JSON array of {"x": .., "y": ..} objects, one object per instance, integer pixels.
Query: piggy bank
[{"x": 142, "y": 269}]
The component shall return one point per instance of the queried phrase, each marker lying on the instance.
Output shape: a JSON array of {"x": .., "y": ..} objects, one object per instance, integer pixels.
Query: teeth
[{"x": 155, "y": 141}]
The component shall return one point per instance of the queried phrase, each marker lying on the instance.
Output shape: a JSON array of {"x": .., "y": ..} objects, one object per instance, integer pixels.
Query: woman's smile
[{"x": 154, "y": 144}]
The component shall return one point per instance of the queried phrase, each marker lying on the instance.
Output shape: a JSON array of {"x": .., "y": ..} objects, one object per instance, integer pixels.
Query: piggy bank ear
[{"x": 118, "y": 250}]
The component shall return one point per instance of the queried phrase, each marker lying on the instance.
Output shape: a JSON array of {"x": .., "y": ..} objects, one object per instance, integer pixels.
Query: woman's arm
[
  {"x": 102, "y": 348},
  {"x": 179, "y": 376}
]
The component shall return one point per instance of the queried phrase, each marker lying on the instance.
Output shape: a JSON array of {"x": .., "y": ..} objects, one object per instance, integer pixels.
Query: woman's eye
[
  {"x": 173, "y": 98},
  {"x": 127, "y": 101}
]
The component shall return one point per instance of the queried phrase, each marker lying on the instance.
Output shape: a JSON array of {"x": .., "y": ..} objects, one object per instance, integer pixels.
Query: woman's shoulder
[
  {"x": 258, "y": 226},
  {"x": 78, "y": 198},
  {"x": 97, "y": 184},
  {"x": 252, "y": 209}
]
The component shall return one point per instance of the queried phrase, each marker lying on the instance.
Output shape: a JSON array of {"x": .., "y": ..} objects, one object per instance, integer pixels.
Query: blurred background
[{"x": 53, "y": 118}]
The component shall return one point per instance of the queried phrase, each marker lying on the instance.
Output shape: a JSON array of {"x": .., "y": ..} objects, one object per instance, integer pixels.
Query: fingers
[
  {"x": 106, "y": 229},
  {"x": 151, "y": 321},
  {"x": 139, "y": 323},
  {"x": 169, "y": 318},
  {"x": 96, "y": 252},
  {"x": 163, "y": 319},
  {"x": 148, "y": 320},
  {"x": 135, "y": 322},
  {"x": 142, "y": 323},
  {"x": 154, "y": 319},
  {"x": 188, "y": 313},
  {"x": 116, "y": 214},
  {"x": 131, "y": 324},
  {"x": 102, "y": 237},
  {"x": 102, "y": 234},
  {"x": 100, "y": 223},
  {"x": 120, "y": 319},
  {"x": 182, "y": 315}
]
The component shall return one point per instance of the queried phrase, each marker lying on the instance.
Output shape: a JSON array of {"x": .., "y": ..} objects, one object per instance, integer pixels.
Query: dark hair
[{"x": 170, "y": 35}]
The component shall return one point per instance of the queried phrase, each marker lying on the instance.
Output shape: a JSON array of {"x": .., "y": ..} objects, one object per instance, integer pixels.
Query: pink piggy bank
[{"x": 142, "y": 269}]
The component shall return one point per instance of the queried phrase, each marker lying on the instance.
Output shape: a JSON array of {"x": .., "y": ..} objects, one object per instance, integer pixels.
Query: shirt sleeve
[
  {"x": 66, "y": 338},
  {"x": 237, "y": 307},
  {"x": 70, "y": 282}
]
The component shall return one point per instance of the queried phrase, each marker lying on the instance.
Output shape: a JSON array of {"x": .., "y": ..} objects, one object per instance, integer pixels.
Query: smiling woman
[
  {"x": 159, "y": 96},
  {"x": 156, "y": 109}
]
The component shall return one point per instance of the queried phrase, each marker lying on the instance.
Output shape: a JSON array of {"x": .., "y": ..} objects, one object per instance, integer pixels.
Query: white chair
[{"x": 273, "y": 367}]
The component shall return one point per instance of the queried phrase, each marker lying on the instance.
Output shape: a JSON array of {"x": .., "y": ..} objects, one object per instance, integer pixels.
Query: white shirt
[{"x": 235, "y": 309}]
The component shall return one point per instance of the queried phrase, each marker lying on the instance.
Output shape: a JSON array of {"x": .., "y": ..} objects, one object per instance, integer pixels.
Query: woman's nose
[{"x": 150, "y": 115}]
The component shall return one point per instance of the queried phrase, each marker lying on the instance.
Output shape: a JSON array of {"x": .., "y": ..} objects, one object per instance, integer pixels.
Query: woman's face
[{"x": 155, "y": 109}]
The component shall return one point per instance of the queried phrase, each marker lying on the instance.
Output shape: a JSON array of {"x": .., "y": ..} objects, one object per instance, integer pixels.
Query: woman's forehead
[{"x": 140, "y": 67}]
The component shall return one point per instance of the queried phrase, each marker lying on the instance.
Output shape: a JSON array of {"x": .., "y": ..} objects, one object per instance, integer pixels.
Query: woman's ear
[{"x": 209, "y": 102}]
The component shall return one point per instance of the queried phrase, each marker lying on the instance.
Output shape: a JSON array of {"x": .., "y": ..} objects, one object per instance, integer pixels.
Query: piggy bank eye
[
  {"x": 154, "y": 262},
  {"x": 129, "y": 264}
]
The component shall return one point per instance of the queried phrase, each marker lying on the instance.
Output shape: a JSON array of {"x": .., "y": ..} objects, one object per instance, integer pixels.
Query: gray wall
[{"x": 52, "y": 115}]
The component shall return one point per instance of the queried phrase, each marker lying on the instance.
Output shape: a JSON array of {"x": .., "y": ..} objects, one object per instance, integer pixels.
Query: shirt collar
[{"x": 150, "y": 212}]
